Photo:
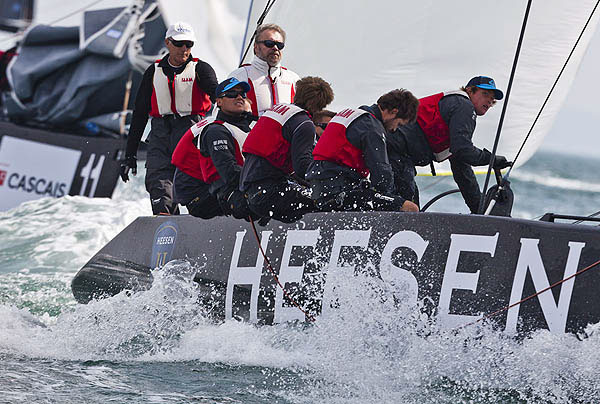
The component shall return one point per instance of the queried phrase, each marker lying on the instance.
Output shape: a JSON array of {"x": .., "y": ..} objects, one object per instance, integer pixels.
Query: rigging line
[
  {"x": 20, "y": 34},
  {"x": 259, "y": 22},
  {"x": 504, "y": 106},
  {"x": 530, "y": 297},
  {"x": 592, "y": 215},
  {"x": 242, "y": 53},
  {"x": 440, "y": 179},
  {"x": 553, "y": 86},
  {"x": 270, "y": 268}
]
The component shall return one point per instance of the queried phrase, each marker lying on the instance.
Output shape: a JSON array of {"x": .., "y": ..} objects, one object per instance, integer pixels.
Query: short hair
[
  {"x": 317, "y": 116},
  {"x": 273, "y": 27},
  {"x": 402, "y": 99},
  {"x": 313, "y": 94}
]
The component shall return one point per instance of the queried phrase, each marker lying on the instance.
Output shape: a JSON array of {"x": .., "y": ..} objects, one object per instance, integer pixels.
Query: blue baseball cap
[
  {"x": 486, "y": 83},
  {"x": 229, "y": 84}
]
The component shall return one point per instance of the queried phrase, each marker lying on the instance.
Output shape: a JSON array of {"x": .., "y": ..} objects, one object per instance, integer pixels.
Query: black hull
[
  {"x": 36, "y": 163},
  {"x": 461, "y": 267}
]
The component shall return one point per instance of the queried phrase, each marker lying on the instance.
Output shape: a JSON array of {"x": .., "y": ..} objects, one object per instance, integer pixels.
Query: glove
[
  {"x": 500, "y": 162},
  {"x": 239, "y": 205},
  {"x": 129, "y": 163}
]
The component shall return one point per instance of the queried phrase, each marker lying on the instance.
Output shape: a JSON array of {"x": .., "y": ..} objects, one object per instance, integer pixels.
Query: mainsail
[
  {"x": 365, "y": 49},
  {"x": 73, "y": 69}
]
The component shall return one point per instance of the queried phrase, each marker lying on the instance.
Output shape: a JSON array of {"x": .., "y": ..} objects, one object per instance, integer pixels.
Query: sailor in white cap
[{"x": 176, "y": 92}]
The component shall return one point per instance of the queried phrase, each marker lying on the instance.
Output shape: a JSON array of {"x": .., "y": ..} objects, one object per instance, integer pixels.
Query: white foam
[{"x": 556, "y": 182}]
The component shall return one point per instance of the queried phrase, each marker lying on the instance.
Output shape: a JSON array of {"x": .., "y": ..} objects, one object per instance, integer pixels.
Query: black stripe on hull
[{"x": 460, "y": 267}]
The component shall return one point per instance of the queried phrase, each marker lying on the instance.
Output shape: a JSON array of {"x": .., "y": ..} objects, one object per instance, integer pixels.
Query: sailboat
[
  {"x": 71, "y": 88},
  {"x": 519, "y": 275}
]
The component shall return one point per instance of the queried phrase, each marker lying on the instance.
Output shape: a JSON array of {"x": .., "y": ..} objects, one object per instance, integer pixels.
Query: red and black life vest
[
  {"x": 209, "y": 171},
  {"x": 333, "y": 145},
  {"x": 186, "y": 156},
  {"x": 266, "y": 138},
  {"x": 433, "y": 125},
  {"x": 181, "y": 96}
]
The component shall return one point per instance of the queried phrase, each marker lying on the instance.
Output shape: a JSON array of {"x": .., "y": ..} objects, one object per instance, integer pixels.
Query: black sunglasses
[
  {"x": 321, "y": 125},
  {"x": 179, "y": 44},
  {"x": 269, "y": 44},
  {"x": 233, "y": 94}
]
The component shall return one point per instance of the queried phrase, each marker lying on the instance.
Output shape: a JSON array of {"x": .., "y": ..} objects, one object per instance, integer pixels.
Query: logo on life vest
[
  {"x": 186, "y": 79},
  {"x": 346, "y": 113},
  {"x": 280, "y": 109}
]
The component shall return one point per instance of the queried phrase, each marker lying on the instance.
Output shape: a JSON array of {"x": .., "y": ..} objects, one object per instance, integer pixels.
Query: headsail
[{"x": 431, "y": 46}]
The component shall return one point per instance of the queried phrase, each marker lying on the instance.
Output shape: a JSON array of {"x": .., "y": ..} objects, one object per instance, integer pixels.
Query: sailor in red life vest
[
  {"x": 443, "y": 130},
  {"x": 176, "y": 91},
  {"x": 220, "y": 139},
  {"x": 270, "y": 83},
  {"x": 352, "y": 148},
  {"x": 278, "y": 153}
]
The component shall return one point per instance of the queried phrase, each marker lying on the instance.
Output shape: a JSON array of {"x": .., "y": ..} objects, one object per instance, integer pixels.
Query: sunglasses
[
  {"x": 179, "y": 44},
  {"x": 269, "y": 44},
  {"x": 321, "y": 125},
  {"x": 233, "y": 94}
]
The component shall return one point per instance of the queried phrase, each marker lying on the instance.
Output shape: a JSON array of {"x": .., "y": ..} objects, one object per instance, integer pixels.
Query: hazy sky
[{"x": 577, "y": 126}]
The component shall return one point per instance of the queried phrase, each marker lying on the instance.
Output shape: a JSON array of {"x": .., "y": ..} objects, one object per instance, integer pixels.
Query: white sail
[
  {"x": 365, "y": 49},
  {"x": 215, "y": 27}
]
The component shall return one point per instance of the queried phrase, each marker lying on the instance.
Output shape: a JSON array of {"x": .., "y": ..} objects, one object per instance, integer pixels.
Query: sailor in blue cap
[
  {"x": 220, "y": 139},
  {"x": 444, "y": 130}
]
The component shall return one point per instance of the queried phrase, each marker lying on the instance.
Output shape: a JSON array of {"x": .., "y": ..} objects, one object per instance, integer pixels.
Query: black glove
[
  {"x": 239, "y": 205},
  {"x": 129, "y": 163},
  {"x": 500, "y": 162}
]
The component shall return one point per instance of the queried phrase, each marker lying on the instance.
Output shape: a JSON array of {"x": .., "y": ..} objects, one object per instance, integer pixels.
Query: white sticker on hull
[
  {"x": 32, "y": 170},
  {"x": 461, "y": 280},
  {"x": 530, "y": 260},
  {"x": 245, "y": 275}
]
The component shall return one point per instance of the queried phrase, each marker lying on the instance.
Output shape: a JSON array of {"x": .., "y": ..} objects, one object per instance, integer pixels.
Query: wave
[
  {"x": 366, "y": 350},
  {"x": 556, "y": 182}
]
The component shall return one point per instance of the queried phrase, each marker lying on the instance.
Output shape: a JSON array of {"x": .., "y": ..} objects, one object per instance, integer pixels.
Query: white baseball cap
[{"x": 181, "y": 31}]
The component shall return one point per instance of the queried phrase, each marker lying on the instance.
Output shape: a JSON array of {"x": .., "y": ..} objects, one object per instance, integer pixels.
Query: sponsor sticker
[
  {"x": 164, "y": 244},
  {"x": 34, "y": 170}
]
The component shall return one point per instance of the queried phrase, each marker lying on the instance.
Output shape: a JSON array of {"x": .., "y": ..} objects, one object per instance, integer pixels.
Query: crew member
[
  {"x": 278, "y": 154},
  {"x": 189, "y": 188},
  {"x": 321, "y": 119},
  {"x": 176, "y": 91},
  {"x": 352, "y": 148},
  {"x": 220, "y": 140},
  {"x": 443, "y": 130},
  {"x": 270, "y": 83}
]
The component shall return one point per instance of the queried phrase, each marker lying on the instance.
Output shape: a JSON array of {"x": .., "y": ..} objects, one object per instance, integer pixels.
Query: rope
[
  {"x": 504, "y": 106},
  {"x": 438, "y": 197},
  {"x": 590, "y": 216},
  {"x": 531, "y": 296},
  {"x": 270, "y": 268},
  {"x": 258, "y": 23}
]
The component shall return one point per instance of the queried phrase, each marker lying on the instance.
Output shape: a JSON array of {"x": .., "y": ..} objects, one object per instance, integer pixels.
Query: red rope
[
  {"x": 530, "y": 297},
  {"x": 308, "y": 316}
]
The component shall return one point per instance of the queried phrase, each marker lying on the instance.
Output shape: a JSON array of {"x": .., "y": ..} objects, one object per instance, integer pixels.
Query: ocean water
[{"x": 158, "y": 347}]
